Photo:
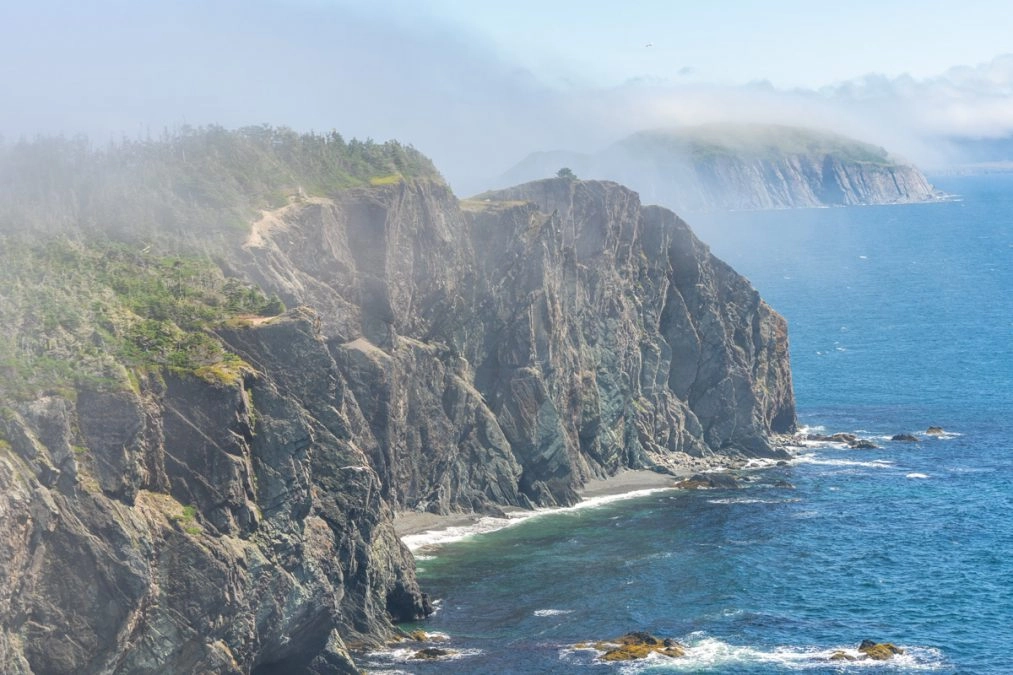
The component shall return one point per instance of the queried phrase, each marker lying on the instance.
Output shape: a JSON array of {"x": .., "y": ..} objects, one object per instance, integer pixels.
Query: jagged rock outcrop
[
  {"x": 743, "y": 167},
  {"x": 198, "y": 528},
  {"x": 507, "y": 350},
  {"x": 444, "y": 356}
]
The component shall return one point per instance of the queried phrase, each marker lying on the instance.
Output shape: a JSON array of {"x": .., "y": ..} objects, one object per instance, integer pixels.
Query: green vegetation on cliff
[
  {"x": 193, "y": 182},
  {"x": 715, "y": 167},
  {"x": 104, "y": 252},
  {"x": 77, "y": 312}
]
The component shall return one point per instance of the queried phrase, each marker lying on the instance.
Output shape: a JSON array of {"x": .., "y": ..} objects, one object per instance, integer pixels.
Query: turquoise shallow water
[{"x": 900, "y": 318}]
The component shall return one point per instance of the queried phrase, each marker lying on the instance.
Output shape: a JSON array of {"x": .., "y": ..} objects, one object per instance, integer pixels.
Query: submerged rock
[{"x": 905, "y": 438}]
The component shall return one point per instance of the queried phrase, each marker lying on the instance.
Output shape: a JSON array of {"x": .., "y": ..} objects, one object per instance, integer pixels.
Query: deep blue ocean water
[{"x": 900, "y": 317}]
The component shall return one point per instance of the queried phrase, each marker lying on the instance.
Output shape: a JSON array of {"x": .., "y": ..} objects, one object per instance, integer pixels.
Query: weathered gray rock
[
  {"x": 203, "y": 528},
  {"x": 506, "y": 350},
  {"x": 443, "y": 356}
]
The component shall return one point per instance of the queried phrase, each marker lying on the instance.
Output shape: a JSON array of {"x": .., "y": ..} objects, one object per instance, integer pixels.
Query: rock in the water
[
  {"x": 432, "y": 653},
  {"x": 935, "y": 431},
  {"x": 708, "y": 481},
  {"x": 851, "y": 440},
  {"x": 840, "y": 655},
  {"x": 638, "y": 645},
  {"x": 905, "y": 438},
  {"x": 879, "y": 651}
]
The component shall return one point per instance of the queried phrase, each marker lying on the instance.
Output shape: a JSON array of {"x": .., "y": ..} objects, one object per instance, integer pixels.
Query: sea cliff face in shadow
[{"x": 443, "y": 356}]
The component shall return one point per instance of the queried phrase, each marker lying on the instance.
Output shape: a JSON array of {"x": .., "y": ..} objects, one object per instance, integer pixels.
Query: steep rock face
[
  {"x": 196, "y": 527},
  {"x": 509, "y": 350},
  {"x": 728, "y": 182},
  {"x": 445, "y": 356}
]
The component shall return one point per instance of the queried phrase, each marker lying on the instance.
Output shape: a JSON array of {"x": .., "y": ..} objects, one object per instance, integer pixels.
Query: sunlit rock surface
[{"x": 443, "y": 356}]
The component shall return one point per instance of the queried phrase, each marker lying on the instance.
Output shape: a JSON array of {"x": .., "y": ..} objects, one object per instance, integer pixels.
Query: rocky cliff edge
[{"x": 446, "y": 356}]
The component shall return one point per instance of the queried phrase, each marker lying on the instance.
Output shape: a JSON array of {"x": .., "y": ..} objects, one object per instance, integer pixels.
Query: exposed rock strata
[
  {"x": 196, "y": 528},
  {"x": 540, "y": 337},
  {"x": 446, "y": 358}
]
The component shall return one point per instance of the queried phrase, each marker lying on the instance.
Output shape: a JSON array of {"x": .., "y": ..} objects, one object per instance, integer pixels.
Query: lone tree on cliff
[{"x": 566, "y": 173}]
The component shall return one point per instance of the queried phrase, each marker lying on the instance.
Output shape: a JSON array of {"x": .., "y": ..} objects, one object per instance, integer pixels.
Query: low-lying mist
[{"x": 132, "y": 70}]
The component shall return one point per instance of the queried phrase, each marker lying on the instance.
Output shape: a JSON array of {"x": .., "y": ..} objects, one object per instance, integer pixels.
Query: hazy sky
[
  {"x": 789, "y": 42},
  {"x": 477, "y": 85}
]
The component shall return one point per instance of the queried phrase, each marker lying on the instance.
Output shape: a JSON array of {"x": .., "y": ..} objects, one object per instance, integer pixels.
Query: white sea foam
[
  {"x": 825, "y": 461},
  {"x": 707, "y": 653},
  {"x": 375, "y": 661},
  {"x": 945, "y": 436},
  {"x": 552, "y": 612},
  {"x": 433, "y": 538},
  {"x": 748, "y": 500},
  {"x": 916, "y": 475},
  {"x": 760, "y": 463}
]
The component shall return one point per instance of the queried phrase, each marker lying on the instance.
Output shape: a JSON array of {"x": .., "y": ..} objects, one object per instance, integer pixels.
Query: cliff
[
  {"x": 216, "y": 495},
  {"x": 743, "y": 167}
]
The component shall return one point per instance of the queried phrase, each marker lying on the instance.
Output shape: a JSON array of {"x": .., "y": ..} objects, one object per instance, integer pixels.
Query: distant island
[{"x": 718, "y": 167}]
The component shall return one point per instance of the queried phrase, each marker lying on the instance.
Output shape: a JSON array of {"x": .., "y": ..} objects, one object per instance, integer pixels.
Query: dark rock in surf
[
  {"x": 432, "y": 653},
  {"x": 709, "y": 481},
  {"x": 905, "y": 438},
  {"x": 879, "y": 651},
  {"x": 637, "y": 645}
]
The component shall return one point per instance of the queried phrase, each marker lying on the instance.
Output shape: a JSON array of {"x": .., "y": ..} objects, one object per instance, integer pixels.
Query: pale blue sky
[
  {"x": 477, "y": 85},
  {"x": 789, "y": 42}
]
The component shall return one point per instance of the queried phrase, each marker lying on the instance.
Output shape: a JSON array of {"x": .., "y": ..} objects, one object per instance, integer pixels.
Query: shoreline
[
  {"x": 419, "y": 530},
  {"x": 424, "y": 530}
]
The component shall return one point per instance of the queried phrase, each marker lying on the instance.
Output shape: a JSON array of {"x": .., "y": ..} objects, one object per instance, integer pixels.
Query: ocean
[{"x": 900, "y": 318}]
